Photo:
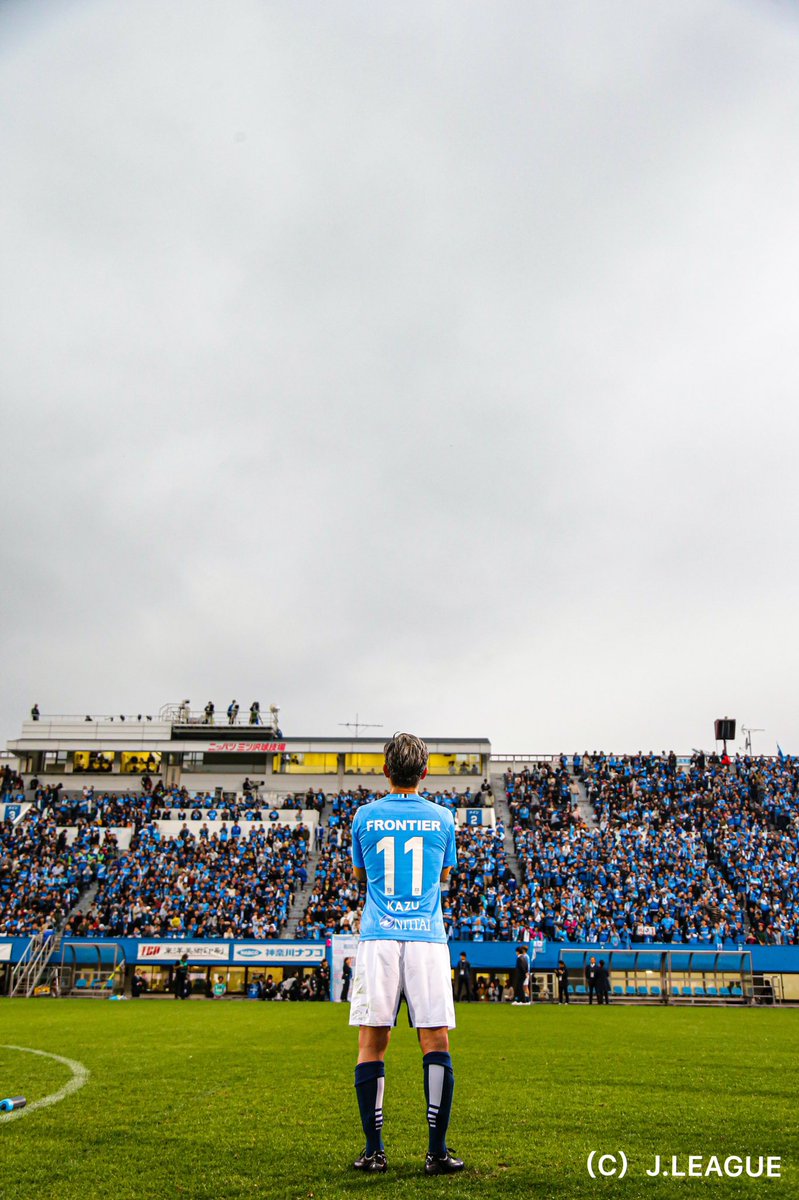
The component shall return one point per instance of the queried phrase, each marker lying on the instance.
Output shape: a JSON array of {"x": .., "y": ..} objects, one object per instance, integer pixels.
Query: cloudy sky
[{"x": 434, "y": 361}]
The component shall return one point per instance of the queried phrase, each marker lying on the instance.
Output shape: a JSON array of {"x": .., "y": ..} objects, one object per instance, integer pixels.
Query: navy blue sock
[
  {"x": 439, "y": 1084},
  {"x": 370, "y": 1080}
]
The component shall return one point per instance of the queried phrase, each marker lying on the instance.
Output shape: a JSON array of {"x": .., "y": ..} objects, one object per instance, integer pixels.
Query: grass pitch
[{"x": 225, "y": 1100}]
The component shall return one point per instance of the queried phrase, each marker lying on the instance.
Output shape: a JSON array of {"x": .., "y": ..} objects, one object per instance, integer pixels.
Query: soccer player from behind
[{"x": 403, "y": 847}]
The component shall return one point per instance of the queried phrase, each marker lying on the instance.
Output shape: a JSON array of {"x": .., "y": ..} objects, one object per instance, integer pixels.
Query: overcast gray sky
[{"x": 436, "y": 361}]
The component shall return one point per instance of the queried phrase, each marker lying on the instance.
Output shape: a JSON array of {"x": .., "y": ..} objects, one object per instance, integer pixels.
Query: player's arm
[
  {"x": 450, "y": 854},
  {"x": 358, "y": 864}
]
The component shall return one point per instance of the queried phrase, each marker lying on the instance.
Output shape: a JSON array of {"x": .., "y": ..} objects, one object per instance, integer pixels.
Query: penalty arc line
[{"x": 80, "y": 1077}]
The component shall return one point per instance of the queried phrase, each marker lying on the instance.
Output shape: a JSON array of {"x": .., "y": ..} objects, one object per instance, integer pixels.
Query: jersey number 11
[{"x": 415, "y": 847}]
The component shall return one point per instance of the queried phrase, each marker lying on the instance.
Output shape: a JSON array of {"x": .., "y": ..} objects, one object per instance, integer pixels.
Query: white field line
[{"x": 80, "y": 1076}]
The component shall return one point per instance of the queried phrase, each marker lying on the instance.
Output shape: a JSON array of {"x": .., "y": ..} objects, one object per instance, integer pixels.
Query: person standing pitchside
[{"x": 403, "y": 846}]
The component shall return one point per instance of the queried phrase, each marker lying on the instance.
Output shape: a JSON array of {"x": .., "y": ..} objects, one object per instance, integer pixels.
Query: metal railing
[
  {"x": 33, "y": 963},
  {"x": 183, "y": 714},
  {"x": 526, "y": 758},
  {"x": 94, "y": 718},
  {"x": 168, "y": 714}
]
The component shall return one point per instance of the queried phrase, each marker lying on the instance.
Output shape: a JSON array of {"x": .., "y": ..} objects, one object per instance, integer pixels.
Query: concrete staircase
[
  {"x": 297, "y": 909},
  {"x": 83, "y": 902},
  {"x": 503, "y": 814},
  {"x": 583, "y": 804}
]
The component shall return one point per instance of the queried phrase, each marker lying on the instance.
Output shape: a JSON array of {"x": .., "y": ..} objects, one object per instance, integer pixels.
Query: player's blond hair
[{"x": 406, "y": 759}]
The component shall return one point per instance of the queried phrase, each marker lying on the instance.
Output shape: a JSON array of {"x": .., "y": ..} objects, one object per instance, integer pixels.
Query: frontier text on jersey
[{"x": 409, "y": 823}]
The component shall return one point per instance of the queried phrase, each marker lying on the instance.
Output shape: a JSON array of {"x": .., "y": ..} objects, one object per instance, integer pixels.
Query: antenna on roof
[
  {"x": 358, "y": 724},
  {"x": 748, "y": 741}
]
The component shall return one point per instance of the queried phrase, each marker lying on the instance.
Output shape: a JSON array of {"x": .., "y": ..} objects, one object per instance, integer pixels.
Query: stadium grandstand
[{"x": 126, "y": 842}]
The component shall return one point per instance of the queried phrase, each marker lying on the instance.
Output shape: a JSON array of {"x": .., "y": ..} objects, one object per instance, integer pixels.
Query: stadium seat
[
  {"x": 686, "y": 991},
  {"x": 699, "y": 990},
  {"x": 630, "y": 990},
  {"x": 618, "y": 990},
  {"x": 642, "y": 990},
  {"x": 81, "y": 983},
  {"x": 654, "y": 990},
  {"x": 711, "y": 991},
  {"x": 580, "y": 989}
]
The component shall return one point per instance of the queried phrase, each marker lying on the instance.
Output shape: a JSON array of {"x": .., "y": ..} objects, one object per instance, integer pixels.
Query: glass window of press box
[
  {"x": 139, "y": 763},
  {"x": 101, "y": 761},
  {"x": 54, "y": 760},
  {"x": 453, "y": 764},
  {"x": 437, "y": 764},
  {"x": 305, "y": 764},
  {"x": 246, "y": 764},
  {"x": 363, "y": 764}
]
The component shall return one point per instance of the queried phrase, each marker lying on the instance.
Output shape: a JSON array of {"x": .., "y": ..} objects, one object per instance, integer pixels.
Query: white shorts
[{"x": 386, "y": 970}]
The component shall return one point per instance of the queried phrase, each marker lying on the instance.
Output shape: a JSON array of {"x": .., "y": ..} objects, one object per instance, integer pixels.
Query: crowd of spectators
[
  {"x": 702, "y": 851},
  {"x": 340, "y": 806},
  {"x": 752, "y": 822},
  {"x": 746, "y": 812},
  {"x": 41, "y": 875},
  {"x": 136, "y": 809},
  {"x": 484, "y": 901},
  {"x": 638, "y": 875},
  {"x": 200, "y": 885},
  {"x": 337, "y": 807}
]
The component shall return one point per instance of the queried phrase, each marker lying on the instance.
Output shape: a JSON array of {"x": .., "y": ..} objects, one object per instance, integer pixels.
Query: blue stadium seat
[
  {"x": 654, "y": 990},
  {"x": 580, "y": 989},
  {"x": 642, "y": 989},
  {"x": 618, "y": 990},
  {"x": 711, "y": 991},
  {"x": 725, "y": 991},
  {"x": 699, "y": 990},
  {"x": 630, "y": 991},
  {"x": 686, "y": 991},
  {"x": 81, "y": 983}
]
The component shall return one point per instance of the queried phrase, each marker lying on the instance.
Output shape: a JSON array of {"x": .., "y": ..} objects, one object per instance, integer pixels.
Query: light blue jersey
[{"x": 403, "y": 842}]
